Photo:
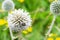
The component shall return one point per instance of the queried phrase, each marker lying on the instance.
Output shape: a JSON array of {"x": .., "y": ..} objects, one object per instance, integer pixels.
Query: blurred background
[{"x": 41, "y": 20}]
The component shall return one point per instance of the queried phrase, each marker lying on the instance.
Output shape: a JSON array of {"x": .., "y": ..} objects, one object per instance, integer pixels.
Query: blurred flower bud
[
  {"x": 28, "y": 30},
  {"x": 21, "y": 1},
  {"x": 2, "y": 22},
  {"x": 58, "y": 38},
  {"x": 50, "y": 39},
  {"x": 8, "y": 5}
]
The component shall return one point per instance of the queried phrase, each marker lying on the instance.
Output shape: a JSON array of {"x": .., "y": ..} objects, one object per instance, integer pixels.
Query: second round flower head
[
  {"x": 55, "y": 7},
  {"x": 19, "y": 20},
  {"x": 8, "y": 5}
]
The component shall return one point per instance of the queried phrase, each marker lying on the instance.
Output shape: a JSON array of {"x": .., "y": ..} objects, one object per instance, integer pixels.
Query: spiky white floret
[
  {"x": 8, "y": 5},
  {"x": 19, "y": 20},
  {"x": 55, "y": 7}
]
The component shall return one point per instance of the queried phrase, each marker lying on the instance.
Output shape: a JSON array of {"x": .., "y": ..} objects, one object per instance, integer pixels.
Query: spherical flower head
[
  {"x": 8, "y": 5},
  {"x": 19, "y": 20},
  {"x": 55, "y": 7}
]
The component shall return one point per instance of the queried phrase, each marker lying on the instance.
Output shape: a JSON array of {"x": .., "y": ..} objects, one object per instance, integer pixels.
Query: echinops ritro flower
[
  {"x": 8, "y": 5},
  {"x": 55, "y": 7},
  {"x": 19, "y": 20}
]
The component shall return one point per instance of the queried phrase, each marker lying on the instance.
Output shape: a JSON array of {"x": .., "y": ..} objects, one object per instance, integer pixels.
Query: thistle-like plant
[
  {"x": 8, "y": 5},
  {"x": 55, "y": 10},
  {"x": 55, "y": 7},
  {"x": 19, "y": 20}
]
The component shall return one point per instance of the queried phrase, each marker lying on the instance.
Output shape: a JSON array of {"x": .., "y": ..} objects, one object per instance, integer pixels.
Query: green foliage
[{"x": 41, "y": 21}]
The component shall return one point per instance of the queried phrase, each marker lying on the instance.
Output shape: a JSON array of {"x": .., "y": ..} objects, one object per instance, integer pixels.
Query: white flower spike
[
  {"x": 19, "y": 20},
  {"x": 8, "y": 5}
]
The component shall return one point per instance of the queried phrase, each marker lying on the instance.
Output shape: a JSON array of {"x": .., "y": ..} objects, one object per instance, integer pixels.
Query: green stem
[{"x": 51, "y": 26}]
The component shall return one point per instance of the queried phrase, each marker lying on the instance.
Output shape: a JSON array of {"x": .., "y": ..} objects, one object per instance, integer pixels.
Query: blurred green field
[{"x": 41, "y": 20}]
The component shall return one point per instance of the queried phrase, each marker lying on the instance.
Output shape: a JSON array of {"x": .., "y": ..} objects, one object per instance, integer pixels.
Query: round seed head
[
  {"x": 55, "y": 7},
  {"x": 8, "y": 5},
  {"x": 19, "y": 20}
]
